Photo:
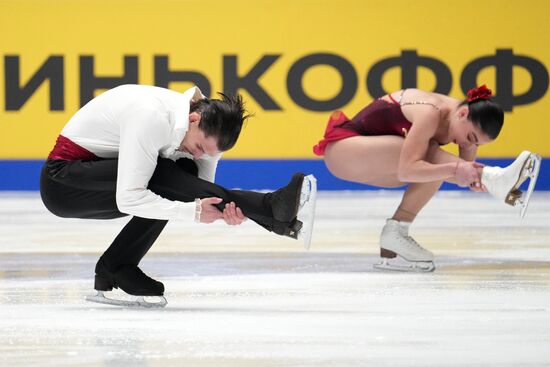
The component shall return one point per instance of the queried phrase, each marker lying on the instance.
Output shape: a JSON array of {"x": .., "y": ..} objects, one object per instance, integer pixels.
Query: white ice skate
[
  {"x": 504, "y": 183},
  {"x": 401, "y": 252},
  {"x": 306, "y": 213},
  {"x": 132, "y": 301}
]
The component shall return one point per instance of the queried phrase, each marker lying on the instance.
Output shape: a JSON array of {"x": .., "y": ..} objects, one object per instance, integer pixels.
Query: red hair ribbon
[{"x": 479, "y": 93}]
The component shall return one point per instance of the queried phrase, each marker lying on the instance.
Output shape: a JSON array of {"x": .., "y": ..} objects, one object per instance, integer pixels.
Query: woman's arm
[
  {"x": 468, "y": 154},
  {"x": 413, "y": 166}
]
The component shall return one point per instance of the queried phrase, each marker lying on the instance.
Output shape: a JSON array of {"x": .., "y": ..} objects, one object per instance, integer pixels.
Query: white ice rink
[{"x": 240, "y": 296}]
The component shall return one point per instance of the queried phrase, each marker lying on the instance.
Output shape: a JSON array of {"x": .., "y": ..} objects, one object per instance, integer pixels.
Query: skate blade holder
[
  {"x": 392, "y": 261},
  {"x": 306, "y": 214},
  {"x": 132, "y": 302},
  {"x": 412, "y": 267},
  {"x": 530, "y": 171}
]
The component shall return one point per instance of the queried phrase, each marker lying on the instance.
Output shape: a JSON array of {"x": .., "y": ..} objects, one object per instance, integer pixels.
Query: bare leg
[
  {"x": 370, "y": 160},
  {"x": 417, "y": 195},
  {"x": 374, "y": 160}
]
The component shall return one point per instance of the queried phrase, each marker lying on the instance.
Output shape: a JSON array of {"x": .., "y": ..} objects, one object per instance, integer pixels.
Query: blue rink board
[{"x": 250, "y": 174}]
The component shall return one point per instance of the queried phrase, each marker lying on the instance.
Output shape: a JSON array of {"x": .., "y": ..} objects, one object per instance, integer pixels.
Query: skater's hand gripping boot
[{"x": 467, "y": 173}]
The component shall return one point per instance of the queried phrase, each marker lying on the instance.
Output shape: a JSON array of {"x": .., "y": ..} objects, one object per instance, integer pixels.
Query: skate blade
[
  {"x": 138, "y": 302},
  {"x": 532, "y": 173},
  {"x": 514, "y": 195},
  {"x": 306, "y": 214},
  {"x": 406, "y": 266}
]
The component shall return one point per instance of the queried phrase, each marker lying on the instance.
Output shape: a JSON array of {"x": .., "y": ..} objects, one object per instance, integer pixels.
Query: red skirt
[{"x": 333, "y": 132}]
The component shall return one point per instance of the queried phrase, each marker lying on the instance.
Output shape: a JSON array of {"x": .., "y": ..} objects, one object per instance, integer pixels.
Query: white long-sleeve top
[{"x": 137, "y": 124}]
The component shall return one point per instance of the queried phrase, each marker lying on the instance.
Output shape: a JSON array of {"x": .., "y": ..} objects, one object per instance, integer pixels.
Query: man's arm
[
  {"x": 207, "y": 167},
  {"x": 232, "y": 214},
  {"x": 142, "y": 134}
]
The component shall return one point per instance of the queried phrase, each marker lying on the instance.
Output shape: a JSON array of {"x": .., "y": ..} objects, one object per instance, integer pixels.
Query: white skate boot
[
  {"x": 306, "y": 213},
  {"x": 395, "y": 241},
  {"x": 504, "y": 183}
]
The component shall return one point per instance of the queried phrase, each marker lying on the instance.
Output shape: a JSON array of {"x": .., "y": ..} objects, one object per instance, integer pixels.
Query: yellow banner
[{"x": 293, "y": 61}]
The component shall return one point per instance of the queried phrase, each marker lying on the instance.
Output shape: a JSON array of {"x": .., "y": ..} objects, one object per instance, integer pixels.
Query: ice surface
[{"x": 240, "y": 296}]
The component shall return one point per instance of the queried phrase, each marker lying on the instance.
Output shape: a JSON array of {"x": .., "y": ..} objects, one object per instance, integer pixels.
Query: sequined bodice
[{"x": 383, "y": 117}]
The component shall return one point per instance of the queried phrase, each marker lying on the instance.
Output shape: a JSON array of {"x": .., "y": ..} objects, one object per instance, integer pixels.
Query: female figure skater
[{"x": 397, "y": 139}]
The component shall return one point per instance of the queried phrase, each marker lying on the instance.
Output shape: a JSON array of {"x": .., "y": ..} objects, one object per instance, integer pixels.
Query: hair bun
[{"x": 481, "y": 92}]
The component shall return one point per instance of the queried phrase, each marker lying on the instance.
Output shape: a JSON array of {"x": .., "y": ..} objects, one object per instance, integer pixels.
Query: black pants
[{"x": 87, "y": 189}]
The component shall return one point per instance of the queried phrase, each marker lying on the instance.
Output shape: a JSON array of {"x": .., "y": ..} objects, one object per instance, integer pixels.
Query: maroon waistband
[{"x": 67, "y": 150}]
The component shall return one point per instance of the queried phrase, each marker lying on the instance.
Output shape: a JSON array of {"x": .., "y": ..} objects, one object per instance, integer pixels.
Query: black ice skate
[
  {"x": 131, "y": 280},
  {"x": 285, "y": 202},
  {"x": 295, "y": 204}
]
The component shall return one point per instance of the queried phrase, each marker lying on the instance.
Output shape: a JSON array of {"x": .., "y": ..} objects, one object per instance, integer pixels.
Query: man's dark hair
[
  {"x": 487, "y": 114},
  {"x": 221, "y": 118}
]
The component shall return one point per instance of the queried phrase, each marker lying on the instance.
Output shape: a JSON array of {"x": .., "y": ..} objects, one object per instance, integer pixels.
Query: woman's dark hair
[
  {"x": 221, "y": 118},
  {"x": 487, "y": 114}
]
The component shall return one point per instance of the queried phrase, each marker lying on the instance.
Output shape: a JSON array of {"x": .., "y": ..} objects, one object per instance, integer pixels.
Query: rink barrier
[{"x": 251, "y": 174}]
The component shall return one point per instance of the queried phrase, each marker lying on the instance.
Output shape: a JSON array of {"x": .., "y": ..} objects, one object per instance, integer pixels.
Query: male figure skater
[{"x": 152, "y": 153}]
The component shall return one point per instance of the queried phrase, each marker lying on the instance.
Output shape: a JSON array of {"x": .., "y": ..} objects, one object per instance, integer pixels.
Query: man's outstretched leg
[{"x": 276, "y": 211}]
